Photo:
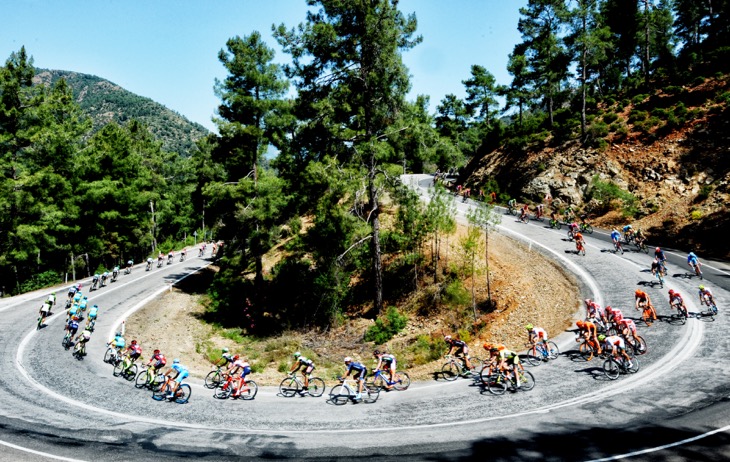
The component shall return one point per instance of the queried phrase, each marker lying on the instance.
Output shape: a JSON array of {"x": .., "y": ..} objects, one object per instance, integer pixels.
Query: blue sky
[{"x": 167, "y": 49}]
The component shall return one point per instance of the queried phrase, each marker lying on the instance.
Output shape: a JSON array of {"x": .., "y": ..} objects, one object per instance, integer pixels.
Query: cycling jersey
[
  {"x": 83, "y": 304},
  {"x": 642, "y": 296},
  {"x": 159, "y": 360},
  {"x": 676, "y": 299},
  {"x": 52, "y": 299},
  {"x": 77, "y": 297},
  {"x": 615, "y": 341},
  {"x": 457, "y": 343},
  {"x": 539, "y": 333},
  {"x": 243, "y": 365},
  {"x": 387, "y": 359},
  {"x": 135, "y": 351},
  {"x": 590, "y": 327},
  {"x": 92, "y": 312},
  {"x": 182, "y": 372},
  {"x": 627, "y": 228},
  {"x": 617, "y": 316},
  {"x": 118, "y": 342},
  {"x": 660, "y": 255},
  {"x": 73, "y": 310},
  {"x": 510, "y": 356},
  {"x": 305, "y": 361},
  {"x": 629, "y": 324},
  {"x": 72, "y": 327},
  {"x": 85, "y": 336},
  {"x": 72, "y": 290},
  {"x": 705, "y": 291},
  {"x": 228, "y": 357},
  {"x": 615, "y": 235},
  {"x": 46, "y": 307}
]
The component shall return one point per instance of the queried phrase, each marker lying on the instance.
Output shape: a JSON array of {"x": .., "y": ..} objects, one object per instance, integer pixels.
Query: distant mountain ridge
[{"x": 104, "y": 102}]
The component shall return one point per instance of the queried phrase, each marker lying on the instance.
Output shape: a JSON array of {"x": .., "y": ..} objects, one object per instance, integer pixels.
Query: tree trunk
[
  {"x": 584, "y": 74},
  {"x": 647, "y": 31},
  {"x": 375, "y": 242}
]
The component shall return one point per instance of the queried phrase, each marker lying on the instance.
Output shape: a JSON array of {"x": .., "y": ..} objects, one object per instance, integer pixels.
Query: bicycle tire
[
  {"x": 160, "y": 394},
  {"x": 143, "y": 379},
  {"x": 639, "y": 346},
  {"x": 476, "y": 364},
  {"x": 289, "y": 387},
  {"x": 371, "y": 394},
  {"x": 117, "y": 371},
  {"x": 634, "y": 366},
  {"x": 316, "y": 387},
  {"x": 588, "y": 229},
  {"x": 496, "y": 384},
  {"x": 108, "y": 355},
  {"x": 224, "y": 391},
  {"x": 450, "y": 371},
  {"x": 378, "y": 382},
  {"x": 586, "y": 352},
  {"x": 251, "y": 388},
  {"x": 183, "y": 393},
  {"x": 66, "y": 343},
  {"x": 212, "y": 380},
  {"x": 402, "y": 381},
  {"x": 533, "y": 357},
  {"x": 679, "y": 317},
  {"x": 339, "y": 395},
  {"x": 527, "y": 381},
  {"x": 611, "y": 369}
]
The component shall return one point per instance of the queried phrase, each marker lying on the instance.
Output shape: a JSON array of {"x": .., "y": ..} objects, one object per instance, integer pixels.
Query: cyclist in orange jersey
[{"x": 643, "y": 301}]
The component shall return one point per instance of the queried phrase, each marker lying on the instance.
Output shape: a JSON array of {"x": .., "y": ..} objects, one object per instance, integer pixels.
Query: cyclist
[
  {"x": 170, "y": 257},
  {"x": 594, "y": 311},
  {"x": 202, "y": 250},
  {"x": 77, "y": 297},
  {"x": 180, "y": 372},
  {"x": 659, "y": 255},
  {"x": 83, "y": 303},
  {"x": 537, "y": 334},
  {"x": 129, "y": 266},
  {"x": 572, "y": 230},
  {"x": 72, "y": 291},
  {"x": 628, "y": 327},
  {"x": 617, "y": 345},
  {"x": 509, "y": 363},
  {"x": 115, "y": 273},
  {"x": 628, "y": 233},
  {"x": 616, "y": 238},
  {"x": 52, "y": 299},
  {"x": 44, "y": 310},
  {"x": 183, "y": 254},
  {"x": 73, "y": 311},
  {"x": 580, "y": 243},
  {"x": 643, "y": 301},
  {"x": 512, "y": 204},
  {"x": 225, "y": 359},
  {"x": 134, "y": 351},
  {"x": 639, "y": 237},
  {"x": 614, "y": 315},
  {"x": 656, "y": 268},
  {"x": 524, "y": 213},
  {"x": 569, "y": 215},
  {"x": 72, "y": 326},
  {"x": 104, "y": 277},
  {"x": 95, "y": 280},
  {"x": 243, "y": 368},
  {"x": 539, "y": 211},
  {"x": 705, "y": 295},
  {"x": 91, "y": 318},
  {"x": 308, "y": 365},
  {"x": 360, "y": 372},
  {"x": 160, "y": 258},
  {"x": 159, "y": 361},
  {"x": 386, "y": 362},
  {"x": 117, "y": 342},
  {"x": 589, "y": 332},
  {"x": 694, "y": 263},
  {"x": 149, "y": 263},
  {"x": 677, "y": 301},
  {"x": 459, "y": 349},
  {"x": 83, "y": 337}
]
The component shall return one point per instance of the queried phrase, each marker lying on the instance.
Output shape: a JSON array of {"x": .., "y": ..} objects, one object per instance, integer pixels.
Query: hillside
[
  {"x": 104, "y": 101},
  {"x": 661, "y": 163}
]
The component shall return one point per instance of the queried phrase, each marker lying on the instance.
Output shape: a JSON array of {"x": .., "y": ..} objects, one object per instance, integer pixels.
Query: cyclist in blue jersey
[
  {"x": 176, "y": 374},
  {"x": 359, "y": 372},
  {"x": 694, "y": 263},
  {"x": 72, "y": 326},
  {"x": 93, "y": 313}
]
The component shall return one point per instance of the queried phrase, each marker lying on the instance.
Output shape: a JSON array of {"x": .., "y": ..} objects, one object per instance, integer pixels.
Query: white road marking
[{"x": 38, "y": 453}]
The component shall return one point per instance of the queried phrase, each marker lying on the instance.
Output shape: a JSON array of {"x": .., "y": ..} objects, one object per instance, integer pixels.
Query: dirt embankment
[{"x": 540, "y": 293}]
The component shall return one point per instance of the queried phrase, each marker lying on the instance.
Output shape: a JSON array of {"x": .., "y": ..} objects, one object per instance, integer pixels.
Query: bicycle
[
  {"x": 228, "y": 389},
  {"x": 149, "y": 266},
  {"x": 169, "y": 260},
  {"x": 127, "y": 270},
  {"x": 67, "y": 341},
  {"x": 499, "y": 382},
  {"x": 79, "y": 350},
  {"x": 124, "y": 369},
  {"x": 698, "y": 271},
  {"x": 40, "y": 324},
  {"x": 646, "y": 314},
  {"x": 91, "y": 324},
  {"x": 148, "y": 379},
  {"x": 660, "y": 277},
  {"x": 159, "y": 262},
  {"x": 580, "y": 248},
  {"x": 455, "y": 367},
  {"x": 641, "y": 246},
  {"x": 182, "y": 395},
  {"x": 637, "y": 343},
  {"x": 586, "y": 227},
  {"x": 182, "y": 257},
  {"x": 555, "y": 223},
  {"x": 401, "y": 380},
  {"x": 115, "y": 274},
  {"x": 215, "y": 377},
  {"x": 94, "y": 284},
  {"x": 344, "y": 392},
  {"x": 616, "y": 365},
  {"x": 292, "y": 384},
  {"x": 511, "y": 210},
  {"x": 537, "y": 353},
  {"x": 587, "y": 349},
  {"x": 681, "y": 315},
  {"x": 618, "y": 247}
]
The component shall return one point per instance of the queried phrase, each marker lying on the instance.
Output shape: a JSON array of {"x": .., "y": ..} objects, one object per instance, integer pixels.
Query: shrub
[
  {"x": 39, "y": 281},
  {"x": 456, "y": 294},
  {"x": 723, "y": 97},
  {"x": 609, "y": 193},
  {"x": 638, "y": 99},
  {"x": 660, "y": 112},
  {"x": 699, "y": 80},
  {"x": 426, "y": 349},
  {"x": 610, "y": 117},
  {"x": 638, "y": 116},
  {"x": 680, "y": 110},
  {"x": 609, "y": 101},
  {"x": 704, "y": 192},
  {"x": 386, "y": 328},
  {"x": 695, "y": 214}
]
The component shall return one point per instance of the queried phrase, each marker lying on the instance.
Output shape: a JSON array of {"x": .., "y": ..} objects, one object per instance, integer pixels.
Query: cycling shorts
[
  {"x": 308, "y": 370},
  {"x": 159, "y": 364},
  {"x": 118, "y": 345},
  {"x": 73, "y": 330},
  {"x": 246, "y": 370},
  {"x": 134, "y": 356},
  {"x": 181, "y": 376},
  {"x": 389, "y": 364},
  {"x": 360, "y": 375}
]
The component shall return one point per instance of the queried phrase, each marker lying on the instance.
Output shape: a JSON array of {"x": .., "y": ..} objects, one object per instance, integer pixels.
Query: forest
[{"x": 346, "y": 232}]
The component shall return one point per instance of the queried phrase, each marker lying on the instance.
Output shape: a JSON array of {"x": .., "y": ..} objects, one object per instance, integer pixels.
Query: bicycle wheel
[
  {"x": 586, "y": 351},
  {"x": 634, "y": 366},
  {"x": 118, "y": 367},
  {"x": 131, "y": 372},
  {"x": 533, "y": 357},
  {"x": 66, "y": 343},
  {"x": 316, "y": 387},
  {"x": 611, "y": 369},
  {"x": 371, "y": 394},
  {"x": 476, "y": 364},
  {"x": 224, "y": 392},
  {"x": 142, "y": 379},
  {"x": 402, "y": 381},
  {"x": 588, "y": 228},
  {"x": 183, "y": 393},
  {"x": 249, "y": 390},
  {"x": 339, "y": 395},
  {"x": 160, "y": 393},
  {"x": 288, "y": 387},
  {"x": 496, "y": 384},
  {"x": 213, "y": 379},
  {"x": 450, "y": 371},
  {"x": 527, "y": 381},
  {"x": 378, "y": 382},
  {"x": 108, "y": 355}
]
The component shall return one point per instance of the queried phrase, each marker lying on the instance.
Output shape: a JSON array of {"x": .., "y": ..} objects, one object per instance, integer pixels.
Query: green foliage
[
  {"x": 637, "y": 116},
  {"x": 638, "y": 99},
  {"x": 723, "y": 97},
  {"x": 610, "y": 196},
  {"x": 695, "y": 215},
  {"x": 610, "y": 117},
  {"x": 386, "y": 327},
  {"x": 40, "y": 280},
  {"x": 456, "y": 294},
  {"x": 426, "y": 348},
  {"x": 704, "y": 193}
]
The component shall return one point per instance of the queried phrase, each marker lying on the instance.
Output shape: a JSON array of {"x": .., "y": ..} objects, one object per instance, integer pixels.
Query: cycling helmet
[
  {"x": 224, "y": 350},
  {"x": 609, "y": 308},
  {"x": 588, "y": 301},
  {"x": 134, "y": 342},
  {"x": 580, "y": 323},
  {"x": 376, "y": 352},
  {"x": 118, "y": 334},
  {"x": 95, "y": 306},
  {"x": 447, "y": 337},
  {"x": 671, "y": 292},
  {"x": 157, "y": 352},
  {"x": 297, "y": 354},
  {"x": 702, "y": 287},
  {"x": 54, "y": 293},
  {"x": 637, "y": 292},
  {"x": 529, "y": 327},
  {"x": 494, "y": 349},
  {"x": 175, "y": 361},
  {"x": 236, "y": 357},
  {"x": 348, "y": 360},
  {"x": 601, "y": 338},
  {"x": 78, "y": 286},
  {"x": 75, "y": 318},
  {"x": 657, "y": 249},
  {"x": 86, "y": 297},
  {"x": 487, "y": 346}
]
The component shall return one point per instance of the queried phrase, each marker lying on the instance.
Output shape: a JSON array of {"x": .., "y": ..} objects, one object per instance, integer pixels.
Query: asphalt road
[{"x": 53, "y": 406}]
